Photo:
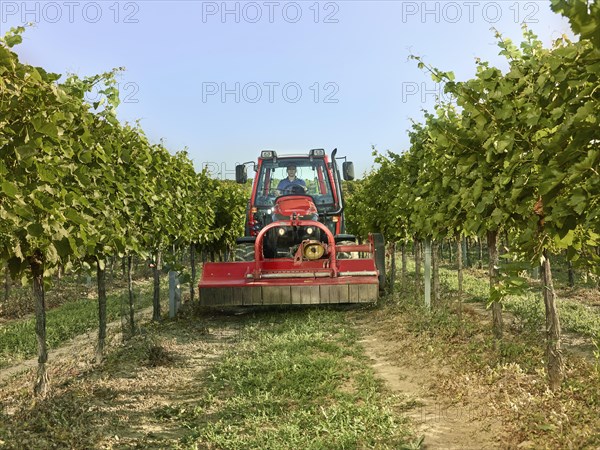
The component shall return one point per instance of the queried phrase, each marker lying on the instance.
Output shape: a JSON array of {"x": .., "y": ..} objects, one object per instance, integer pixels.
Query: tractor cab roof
[{"x": 272, "y": 154}]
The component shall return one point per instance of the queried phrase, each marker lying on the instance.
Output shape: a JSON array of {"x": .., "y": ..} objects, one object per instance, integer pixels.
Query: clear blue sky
[{"x": 306, "y": 74}]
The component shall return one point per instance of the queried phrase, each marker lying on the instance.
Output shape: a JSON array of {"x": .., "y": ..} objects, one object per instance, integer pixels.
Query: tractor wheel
[
  {"x": 380, "y": 258},
  {"x": 346, "y": 239},
  {"x": 346, "y": 255},
  {"x": 244, "y": 252}
]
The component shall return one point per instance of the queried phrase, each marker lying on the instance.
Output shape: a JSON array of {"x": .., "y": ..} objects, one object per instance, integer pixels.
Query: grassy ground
[
  {"x": 275, "y": 379},
  {"x": 508, "y": 375},
  {"x": 579, "y": 307},
  {"x": 297, "y": 380},
  {"x": 64, "y": 322},
  {"x": 16, "y": 302}
]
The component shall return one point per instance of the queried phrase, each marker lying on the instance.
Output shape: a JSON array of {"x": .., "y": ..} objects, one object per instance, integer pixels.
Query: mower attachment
[{"x": 312, "y": 275}]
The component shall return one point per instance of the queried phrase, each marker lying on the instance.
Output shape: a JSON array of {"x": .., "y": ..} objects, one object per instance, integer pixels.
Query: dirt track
[{"x": 442, "y": 422}]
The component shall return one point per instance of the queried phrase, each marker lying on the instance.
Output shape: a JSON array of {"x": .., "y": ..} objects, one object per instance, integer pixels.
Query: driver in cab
[{"x": 291, "y": 184}]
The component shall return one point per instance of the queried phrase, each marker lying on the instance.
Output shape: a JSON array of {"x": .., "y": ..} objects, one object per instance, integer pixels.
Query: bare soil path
[{"x": 444, "y": 422}]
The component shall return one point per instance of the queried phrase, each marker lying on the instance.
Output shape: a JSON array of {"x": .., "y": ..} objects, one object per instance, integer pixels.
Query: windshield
[{"x": 274, "y": 180}]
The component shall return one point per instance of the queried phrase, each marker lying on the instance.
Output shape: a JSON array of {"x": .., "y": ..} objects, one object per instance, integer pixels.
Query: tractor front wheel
[
  {"x": 346, "y": 255},
  {"x": 244, "y": 252},
  {"x": 244, "y": 249}
]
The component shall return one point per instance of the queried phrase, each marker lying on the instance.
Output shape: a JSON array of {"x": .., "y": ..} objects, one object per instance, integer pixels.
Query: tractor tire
[
  {"x": 244, "y": 252},
  {"x": 380, "y": 259},
  {"x": 346, "y": 239},
  {"x": 346, "y": 255}
]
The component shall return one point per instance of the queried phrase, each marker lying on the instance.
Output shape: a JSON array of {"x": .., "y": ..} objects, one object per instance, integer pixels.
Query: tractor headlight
[
  {"x": 310, "y": 230},
  {"x": 281, "y": 231}
]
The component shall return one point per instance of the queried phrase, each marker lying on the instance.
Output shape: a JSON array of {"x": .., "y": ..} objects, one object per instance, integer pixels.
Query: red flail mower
[{"x": 295, "y": 250}]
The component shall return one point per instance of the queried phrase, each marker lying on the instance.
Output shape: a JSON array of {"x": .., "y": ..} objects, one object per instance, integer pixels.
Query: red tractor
[{"x": 295, "y": 249}]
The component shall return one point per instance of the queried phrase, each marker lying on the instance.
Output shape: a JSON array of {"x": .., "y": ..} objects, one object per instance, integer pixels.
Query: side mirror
[
  {"x": 241, "y": 176},
  {"x": 348, "y": 170}
]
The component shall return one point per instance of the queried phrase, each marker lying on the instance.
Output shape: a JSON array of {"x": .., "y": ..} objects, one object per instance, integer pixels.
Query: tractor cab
[{"x": 316, "y": 177}]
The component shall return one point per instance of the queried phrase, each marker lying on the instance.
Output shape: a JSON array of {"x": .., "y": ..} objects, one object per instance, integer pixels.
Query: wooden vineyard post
[{"x": 428, "y": 273}]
